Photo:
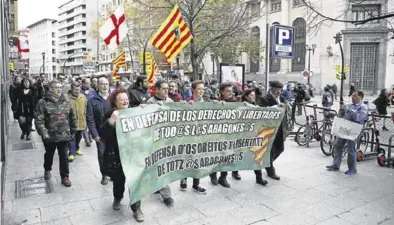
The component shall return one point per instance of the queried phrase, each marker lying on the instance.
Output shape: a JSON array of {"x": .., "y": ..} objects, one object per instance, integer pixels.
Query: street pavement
[{"x": 307, "y": 194}]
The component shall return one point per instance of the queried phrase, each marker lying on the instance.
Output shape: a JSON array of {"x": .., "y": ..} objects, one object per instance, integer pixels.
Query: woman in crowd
[
  {"x": 112, "y": 164},
  {"x": 25, "y": 104}
]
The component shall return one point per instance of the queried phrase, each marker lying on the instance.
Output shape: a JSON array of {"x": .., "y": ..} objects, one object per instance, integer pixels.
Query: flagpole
[
  {"x": 131, "y": 55},
  {"x": 98, "y": 36},
  {"x": 144, "y": 55}
]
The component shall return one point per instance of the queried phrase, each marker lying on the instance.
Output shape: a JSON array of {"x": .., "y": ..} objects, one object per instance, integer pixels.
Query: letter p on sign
[{"x": 283, "y": 35}]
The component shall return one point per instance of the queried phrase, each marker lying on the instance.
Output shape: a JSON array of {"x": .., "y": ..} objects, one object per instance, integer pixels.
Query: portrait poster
[{"x": 234, "y": 74}]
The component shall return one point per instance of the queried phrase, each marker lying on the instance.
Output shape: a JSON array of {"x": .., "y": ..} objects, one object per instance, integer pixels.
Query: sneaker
[
  {"x": 79, "y": 152},
  {"x": 332, "y": 168},
  {"x": 138, "y": 215},
  {"x": 71, "y": 158},
  {"x": 351, "y": 172},
  {"x": 169, "y": 201},
  {"x": 116, "y": 204},
  {"x": 199, "y": 189},
  {"x": 183, "y": 184},
  {"x": 28, "y": 137},
  {"x": 22, "y": 136},
  {"x": 385, "y": 128},
  {"x": 66, "y": 182},
  {"x": 88, "y": 144},
  {"x": 47, "y": 175}
]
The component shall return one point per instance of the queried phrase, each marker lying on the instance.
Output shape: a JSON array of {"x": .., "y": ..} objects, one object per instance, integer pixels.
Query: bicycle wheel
[
  {"x": 344, "y": 151},
  {"x": 304, "y": 135},
  {"x": 326, "y": 143},
  {"x": 363, "y": 140}
]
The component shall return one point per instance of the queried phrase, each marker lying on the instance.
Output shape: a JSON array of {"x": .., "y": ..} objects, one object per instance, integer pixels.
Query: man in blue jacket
[
  {"x": 97, "y": 107},
  {"x": 355, "y": 112}
]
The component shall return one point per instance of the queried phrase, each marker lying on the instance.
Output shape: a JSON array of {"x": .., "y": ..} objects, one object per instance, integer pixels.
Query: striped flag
[
  {"x": 266, "y": 133},
  {"x": 152, "y": 73},
  {"x": 118, "y": 62},
  {"x": 172, "y": 36}
]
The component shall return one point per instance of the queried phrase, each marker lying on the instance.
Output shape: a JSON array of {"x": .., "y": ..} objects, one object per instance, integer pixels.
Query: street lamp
[
  {"x": 43, "y": 62},
  {"x": 310, "y": 49}
]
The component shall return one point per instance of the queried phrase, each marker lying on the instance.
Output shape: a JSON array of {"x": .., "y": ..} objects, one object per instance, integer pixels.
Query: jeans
[
  {"x": 73, "y": 144},
  {"x": 118, "y": 182},
  {"x": 196, "y": 181},
  {"x": 26, "y": 127},
  {"x": 351, "y": 153},
  {"x": 100, "y": 156},
  {"x": 86, "y": 136},
  {"x": 62, "y": 148}
]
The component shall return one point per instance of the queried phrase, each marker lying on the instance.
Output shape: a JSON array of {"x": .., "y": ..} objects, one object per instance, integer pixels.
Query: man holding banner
[{"x": 347, "y": 127}]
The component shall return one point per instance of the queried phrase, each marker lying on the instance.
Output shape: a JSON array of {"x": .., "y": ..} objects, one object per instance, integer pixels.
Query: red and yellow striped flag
[
  {"x": 266, "y": 133},
  {"x": 118, "y": 62},
  {"x": 152, "y": 73},
  {"x": 173, "y": 35}
]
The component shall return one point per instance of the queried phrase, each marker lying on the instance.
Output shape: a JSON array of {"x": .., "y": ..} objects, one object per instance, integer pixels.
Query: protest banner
[{"x": 162, "y": 144}]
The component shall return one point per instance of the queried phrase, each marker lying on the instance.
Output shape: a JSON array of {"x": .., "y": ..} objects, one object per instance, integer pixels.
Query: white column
[{"x": 284, "y": 63}]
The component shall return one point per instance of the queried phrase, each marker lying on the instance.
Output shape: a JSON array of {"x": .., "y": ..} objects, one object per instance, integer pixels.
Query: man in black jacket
[
  {"x": 138, "y": 93},
  {"x": 274, "y": 98}
]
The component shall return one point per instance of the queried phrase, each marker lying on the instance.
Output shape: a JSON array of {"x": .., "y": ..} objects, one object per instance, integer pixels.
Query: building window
[
  {"x": 363, "y": 12},
  {"x": 274, "y": 62},
  {"x": 297, "y": 2},
  {"x": 255, "y": 63},
  {"x": 276, "y": 6},
  {"x": 298, "y": 62},
  {"x": 53, "y": 43},
  {"x": 255, "y": 7},
  {"x": 53, "y": 34}
]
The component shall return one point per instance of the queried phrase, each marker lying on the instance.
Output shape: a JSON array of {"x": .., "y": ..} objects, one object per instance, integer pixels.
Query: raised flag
[
  {"x": 23, "y": 47},
  {"x": 173, "y": 35},
  {"x": 114, "y": 30},
  {"x": 152, "y": 73},
  {"x": 120, "y": 60}
]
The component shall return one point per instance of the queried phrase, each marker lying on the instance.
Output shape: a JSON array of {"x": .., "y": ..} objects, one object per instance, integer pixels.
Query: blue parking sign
[{"x": 283, "y": 41}]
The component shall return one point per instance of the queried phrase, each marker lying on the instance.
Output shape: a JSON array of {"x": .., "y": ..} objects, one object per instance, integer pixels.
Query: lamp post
[
  {"x": 310, "y": 49},
  {"x": 338, "y": 40},
  {"x": 43, "y": 62}
]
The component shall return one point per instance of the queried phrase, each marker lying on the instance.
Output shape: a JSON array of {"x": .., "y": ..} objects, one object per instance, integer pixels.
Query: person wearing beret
[{"x": 273, "y": 98}]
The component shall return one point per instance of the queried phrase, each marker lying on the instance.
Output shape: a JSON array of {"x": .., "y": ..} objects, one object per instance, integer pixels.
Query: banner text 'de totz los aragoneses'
[{"x": 162, "y": 144}]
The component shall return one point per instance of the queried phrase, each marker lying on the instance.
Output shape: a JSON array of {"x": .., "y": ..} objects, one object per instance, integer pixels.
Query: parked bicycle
[{"x": 314, "y": 128}]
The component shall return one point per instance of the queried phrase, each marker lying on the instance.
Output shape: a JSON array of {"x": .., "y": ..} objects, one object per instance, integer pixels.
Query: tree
[
  {"x": 316, "y": 18},
  {"x": 216, "y": 26}
]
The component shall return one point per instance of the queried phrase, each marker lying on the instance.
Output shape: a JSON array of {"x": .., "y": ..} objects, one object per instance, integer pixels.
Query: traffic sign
[{"x": 283, "y": 41}]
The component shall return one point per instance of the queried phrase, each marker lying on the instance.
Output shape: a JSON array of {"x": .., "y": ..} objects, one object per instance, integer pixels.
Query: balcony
[
  {"x": 72, "y": 47},
  {"x": 76, "y": 20},
  {"x": 75, "y": 38},
  {"x": 72, "y": 5},
  {"x": 72, "y": 31},
  {"x": 76, "y": 12}
]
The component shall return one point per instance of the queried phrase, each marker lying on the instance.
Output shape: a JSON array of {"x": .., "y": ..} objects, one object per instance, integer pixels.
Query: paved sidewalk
[{"x": 306, "y": 195}]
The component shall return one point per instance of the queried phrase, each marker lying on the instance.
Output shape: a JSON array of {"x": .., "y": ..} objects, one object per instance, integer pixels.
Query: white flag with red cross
[
  {"x": 114, "y": 30},
  {"x": 23, "y": 47}
]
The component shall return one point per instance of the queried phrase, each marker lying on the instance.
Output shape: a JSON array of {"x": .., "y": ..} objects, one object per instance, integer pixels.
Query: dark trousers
[
  {"x": 73, "y": 144},
  {"x": 62, "y": 148},
  {"x": 275, "y": 153},
  {"x": 100, "y": 156},
  {"x": 26, "y": 127},
  {"x": 118, "y": 182},
  {"x": 222, "y": 174},
  {"x": 86, "y": 136},
  {"x": 196, "y": 181}
]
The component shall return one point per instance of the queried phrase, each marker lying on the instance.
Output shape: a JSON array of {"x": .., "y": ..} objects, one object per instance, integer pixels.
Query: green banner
[{"x": 162, "y": 144}]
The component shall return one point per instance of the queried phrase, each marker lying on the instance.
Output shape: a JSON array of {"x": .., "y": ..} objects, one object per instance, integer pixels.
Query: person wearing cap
[{"x": 271, "y": 99}]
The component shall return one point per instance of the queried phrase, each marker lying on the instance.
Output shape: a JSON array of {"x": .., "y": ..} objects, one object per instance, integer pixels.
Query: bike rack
[{"x": 382, "y": 160}]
